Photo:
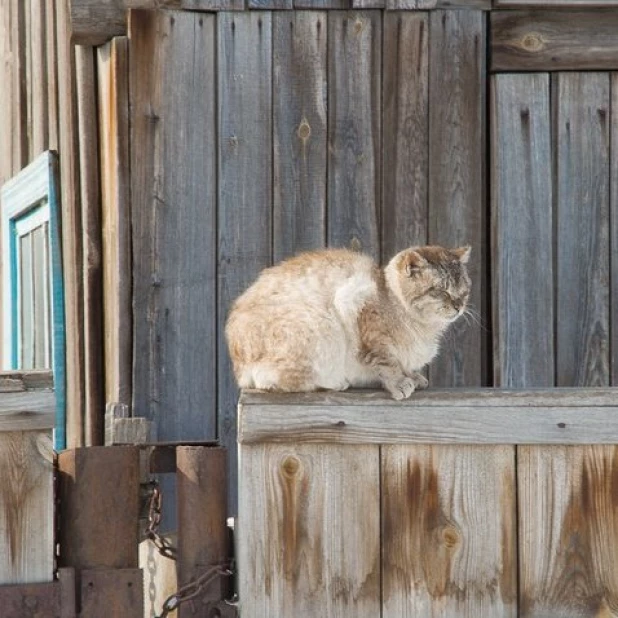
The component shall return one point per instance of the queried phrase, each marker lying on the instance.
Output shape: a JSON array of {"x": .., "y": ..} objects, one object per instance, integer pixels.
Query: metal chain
[
  {"x": 194, "y": 588},
  {"x": 154, "y": 519}
]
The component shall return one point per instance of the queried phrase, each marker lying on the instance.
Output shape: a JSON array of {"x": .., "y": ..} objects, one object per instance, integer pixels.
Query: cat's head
[{"x": 432, "y": 280}]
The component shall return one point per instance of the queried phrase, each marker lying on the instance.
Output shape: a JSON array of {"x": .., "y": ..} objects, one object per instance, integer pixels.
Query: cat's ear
[
  {"x": 414, "y": 263},
  {"x": 463, "y": 254}
]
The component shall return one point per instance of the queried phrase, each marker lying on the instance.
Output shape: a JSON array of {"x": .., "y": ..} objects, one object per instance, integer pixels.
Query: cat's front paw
[
  {"x": 400, "y": 389},
  {"x": 420, "y": 381}
]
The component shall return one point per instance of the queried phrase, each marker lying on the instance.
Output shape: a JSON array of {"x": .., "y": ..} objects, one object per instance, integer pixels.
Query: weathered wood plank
[
  {"x": 71, "y": 229},
  {"x": 368, "y": 4},
  {"x": 173, "y": 220},
  {"x": 405, "y": 159},
  {"x": 522, "y": 231},
  {"x": 582, "y": 202},
  {"x": 99, "y": 511},
  {"x": 269, "y": 4},
  {"x": 113, "y": 93},
  {"x": 26, "y": 506},
  {"x": 38, "y": 84},
  {"x": 322, "y": 4},
  {"x": 94, "y": 22},
  {"x": 613, "y": 217},
  {"x": 556, "y": 4},
  {"x": 12, "y": 381},
  {"x": 51, "y": 55},
  {"x": 91, "y": 268},
  {"x": 299, "y": 132},
  {"x": 354, "y": 130},
  {"x": 568, "y": 531},
  {"x": 560, "y": 416},
  {"x": 27, "y": 410},
  {"x": 112, "y": 592},
  {"x": 554, "y": 40},
  {"x": 484, "y": 5},
  {"x": 18, "y": 109},
  {"x": 448, "y": 531},
  {"x": 311, "y": 536},
  {"x": 245, "y": 188},
  {"x": 456, "y": 177}
]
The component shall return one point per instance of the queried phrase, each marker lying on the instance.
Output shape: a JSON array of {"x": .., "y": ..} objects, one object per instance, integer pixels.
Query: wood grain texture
[
  {"x": 27, "y": 410},
  {"x": 94, "y": 22},
  {"x": 568, "y": 531},
  {"x": 114, "y": 156},
  {"x": 299, "y": 132},
  {"x": 454, "y": 4},
  {"x": 112, "y": 592},
  {"x": 556, "y": 4},
  {"x": 173, "y": 221},
  {"x": 18, "y": 110},
  {"x": 269, "y": 4},
  {"x": 554, "y": 40},
  {"x": 91, "y": 268},
  {"x": 582, "y": 202},
  {"x": 457, "y": 178},
  {"x": 557, "y": 416},
  {"x": 17, "y": 381},
  {"x": 405, "y": 159},
  {"x": 26, "y": 507},
  {"x": 98, "y": 528},
  {"x": 613, "y": 243},
  {"x": 449, "y": 531},
  {"x": 51, "y": 56},
  {"x": 311, "y": 532},
  {"x": 245, "y": 187},
  {"x": 202, "y": 540},
  {"x": 522, "y": 231},
  {"x": 38, "y": 89},
  {"x": 354, "y": 130},
  {"x": 72, "y": 261},
  {"x": 322, "y": 4}
]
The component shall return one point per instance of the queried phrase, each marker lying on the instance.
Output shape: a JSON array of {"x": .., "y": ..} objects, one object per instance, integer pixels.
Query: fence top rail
[
  {"x": 27, "y": 400},
  {"x": 441, "y": 416}
]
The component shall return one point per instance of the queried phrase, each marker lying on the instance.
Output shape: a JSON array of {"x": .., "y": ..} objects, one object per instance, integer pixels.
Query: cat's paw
[
  {"x": 400, "y": 389},
  {"x": 420, "y": 381}
]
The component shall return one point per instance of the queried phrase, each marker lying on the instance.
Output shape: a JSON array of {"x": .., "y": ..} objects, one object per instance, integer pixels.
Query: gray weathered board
[
  {"x": 522, "y": 230},
  {"x": 173, "y": 213}
]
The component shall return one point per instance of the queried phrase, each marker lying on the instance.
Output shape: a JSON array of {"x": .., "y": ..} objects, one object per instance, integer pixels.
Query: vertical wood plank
[
  {"x": 568, "y": 534},
  {"x": 71, "y": 228},
  {"x": 582, "y": 202},
  {"x": 51, "y": 56},
  {"x": 522, "y": 231},
  {"x": 173, "y": 196},
  {"x": 449, "y": 531},
  {"x": 40, "y": 281},
  {"x": 311, "y": 538},
  {"x": 91, "y": 242},
  {"x": 26, "y": 303},
  {"x": 457, "y": 178},
  {"x": 354, "y": 126},
  {"x": 113, "y": 93},
  {"x": 299, "y": 132},
  {"x": 39, "y": 89},
  {"x": 613, "y": 217},
  {"x": 245, "y": 186},
  {"x": 19, "y": 83},
  {"x": 405, "y": 159},
  {"x": 26, "y": 507}
]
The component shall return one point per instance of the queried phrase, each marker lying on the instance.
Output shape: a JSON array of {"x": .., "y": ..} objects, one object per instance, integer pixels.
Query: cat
[{"x": 331, "y": 319}]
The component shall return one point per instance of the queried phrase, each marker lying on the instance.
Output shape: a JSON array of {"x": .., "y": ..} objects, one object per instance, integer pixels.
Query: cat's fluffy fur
[{"x": 332, "y": 319}]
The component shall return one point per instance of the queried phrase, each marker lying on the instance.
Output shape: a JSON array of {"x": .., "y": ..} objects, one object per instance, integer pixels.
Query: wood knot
[
  {"x": 532, "y": 42},
  {"x": 358, "y": 26},
  {"x": 304, "y": 130},
  {"x": 450, "y": 536},
  {"x": 562, "y": 425},
  {"x": 290, "y": 466}
]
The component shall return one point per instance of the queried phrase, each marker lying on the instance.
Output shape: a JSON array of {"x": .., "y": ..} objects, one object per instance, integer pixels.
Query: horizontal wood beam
[
  {"x": 541, "y": 40},
  {"x": 27, "y": 411},
  {"x": 451, "y": 416},
  {"x": 16, "y": 381}
]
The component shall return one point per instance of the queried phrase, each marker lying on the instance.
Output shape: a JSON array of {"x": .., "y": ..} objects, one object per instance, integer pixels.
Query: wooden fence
[{"x": 469, "y": 503}]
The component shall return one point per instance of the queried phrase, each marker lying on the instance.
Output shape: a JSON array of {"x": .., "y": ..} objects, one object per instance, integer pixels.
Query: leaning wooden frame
[{"x": 484, "y": 502}]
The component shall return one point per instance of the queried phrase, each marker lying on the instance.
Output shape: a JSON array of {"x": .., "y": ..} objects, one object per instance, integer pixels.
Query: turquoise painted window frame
[{"x": 30, "y": 197}]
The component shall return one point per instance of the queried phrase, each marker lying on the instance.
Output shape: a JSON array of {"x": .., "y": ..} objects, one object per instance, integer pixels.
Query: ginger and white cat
[{"x": 332, "y": 319}]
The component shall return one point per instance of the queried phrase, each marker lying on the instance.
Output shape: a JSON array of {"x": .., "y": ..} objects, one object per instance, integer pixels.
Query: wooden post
[
  {"x": 99, "y": 507},
  {"x": 202, "y": 531}
]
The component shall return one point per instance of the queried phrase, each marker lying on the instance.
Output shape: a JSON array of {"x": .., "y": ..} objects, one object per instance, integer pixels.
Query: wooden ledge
[
  {"x": 448, "y": 416},
  {"x": 27, "y": 401}
]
